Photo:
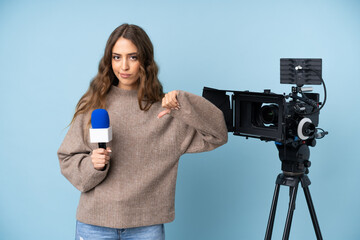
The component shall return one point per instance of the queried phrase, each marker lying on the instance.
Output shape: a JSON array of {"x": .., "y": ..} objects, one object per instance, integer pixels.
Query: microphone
[{"x": 101, "y": 132}]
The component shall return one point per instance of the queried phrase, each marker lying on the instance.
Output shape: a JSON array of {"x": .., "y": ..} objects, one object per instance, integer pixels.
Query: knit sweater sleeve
[
  {"x": 203, "y": 124},
  {"x": 75, "y": 161}
]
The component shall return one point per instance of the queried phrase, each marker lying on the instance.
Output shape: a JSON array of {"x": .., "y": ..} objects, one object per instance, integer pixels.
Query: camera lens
[{"x": 269, "y": 114}]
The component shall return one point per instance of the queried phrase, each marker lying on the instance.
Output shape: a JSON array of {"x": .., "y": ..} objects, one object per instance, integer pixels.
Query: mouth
[{"x": 123, "y": 75}]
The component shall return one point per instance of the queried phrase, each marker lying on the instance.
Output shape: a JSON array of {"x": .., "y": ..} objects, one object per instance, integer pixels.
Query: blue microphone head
[{"x": 100, "y": 118}]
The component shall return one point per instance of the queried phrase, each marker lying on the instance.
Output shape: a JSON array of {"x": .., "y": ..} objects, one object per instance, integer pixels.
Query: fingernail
[{"x": 109, "y": 150}]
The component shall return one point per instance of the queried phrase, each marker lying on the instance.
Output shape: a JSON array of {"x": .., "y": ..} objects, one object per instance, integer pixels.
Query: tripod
[{"x": 295, "y": 166}]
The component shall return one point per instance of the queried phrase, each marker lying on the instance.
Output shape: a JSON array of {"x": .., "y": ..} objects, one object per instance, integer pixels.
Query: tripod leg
[
  {"x": 290, "y": 213},
  {"x": 312, "y": 212},
  {"x": 270, "y": 225}
]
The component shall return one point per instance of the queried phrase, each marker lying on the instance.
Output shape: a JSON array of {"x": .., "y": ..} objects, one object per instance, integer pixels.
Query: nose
[{"x": 124, "y": 65}]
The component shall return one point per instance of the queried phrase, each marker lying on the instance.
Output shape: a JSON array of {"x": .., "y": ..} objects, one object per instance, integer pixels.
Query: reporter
[{"x": 131, "y": 192}]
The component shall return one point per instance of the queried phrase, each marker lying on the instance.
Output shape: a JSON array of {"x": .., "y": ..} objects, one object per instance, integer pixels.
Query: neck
[{"x": 128, "y": 87}]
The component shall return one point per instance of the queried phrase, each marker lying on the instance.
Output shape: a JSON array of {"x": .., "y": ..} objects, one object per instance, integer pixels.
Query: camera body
[
  {"x": 289, "y": 120},
  {"x": 274, "y": 117},
  {"x": 267, "y": 116}
]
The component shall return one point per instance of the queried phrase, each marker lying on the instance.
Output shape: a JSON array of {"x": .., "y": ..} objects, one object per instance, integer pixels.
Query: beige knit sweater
[{"x": 137, "y": 187}]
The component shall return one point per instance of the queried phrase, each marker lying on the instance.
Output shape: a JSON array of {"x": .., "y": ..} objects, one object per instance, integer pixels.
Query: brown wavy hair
[{"x": 150, "y": 89}]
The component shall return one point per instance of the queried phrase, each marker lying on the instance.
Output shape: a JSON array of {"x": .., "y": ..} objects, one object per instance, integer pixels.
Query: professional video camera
[{"x": 289, "y": 120}]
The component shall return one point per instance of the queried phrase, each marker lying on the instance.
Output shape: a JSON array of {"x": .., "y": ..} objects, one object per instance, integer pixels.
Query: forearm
[
  {"x": 80, "y": 172},
  {"x": 75, "y": 160},
  {"x": 204, "y": 119}
]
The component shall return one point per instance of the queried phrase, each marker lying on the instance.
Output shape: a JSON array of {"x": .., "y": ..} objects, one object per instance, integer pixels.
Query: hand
[
  {"x": 169, "y": 102},
  {"x": 100, "y": 157}
]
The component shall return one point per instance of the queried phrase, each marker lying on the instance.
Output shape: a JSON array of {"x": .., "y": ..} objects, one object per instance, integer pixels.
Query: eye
[
  {"x": 116, "y": 57},
  {"x": 134, "y": 58}
]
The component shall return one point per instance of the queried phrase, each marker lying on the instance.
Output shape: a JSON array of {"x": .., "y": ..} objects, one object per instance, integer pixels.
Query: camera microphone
[{"x": 101, "y": 132}]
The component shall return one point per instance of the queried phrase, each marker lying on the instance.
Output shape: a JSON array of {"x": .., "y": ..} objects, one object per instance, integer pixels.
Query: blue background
[{"x": 50, "y": 50}]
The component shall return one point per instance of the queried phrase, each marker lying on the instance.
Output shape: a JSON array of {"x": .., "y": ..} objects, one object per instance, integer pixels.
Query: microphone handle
[{"x": 102, "y": 145}]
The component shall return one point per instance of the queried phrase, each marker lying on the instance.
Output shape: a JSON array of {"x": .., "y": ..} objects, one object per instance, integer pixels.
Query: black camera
[{"x": 289, "y": 120}]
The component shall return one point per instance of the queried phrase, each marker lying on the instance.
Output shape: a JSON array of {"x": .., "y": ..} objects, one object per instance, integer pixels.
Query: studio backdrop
[{"x": 50, "y": 51}]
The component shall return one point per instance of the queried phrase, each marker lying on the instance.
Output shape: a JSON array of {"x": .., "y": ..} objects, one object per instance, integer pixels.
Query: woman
[{"x": 128, "y": 190}]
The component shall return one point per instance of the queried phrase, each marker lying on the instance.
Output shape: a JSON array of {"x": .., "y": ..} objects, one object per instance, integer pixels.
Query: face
[{"x": 125, "y": 64}]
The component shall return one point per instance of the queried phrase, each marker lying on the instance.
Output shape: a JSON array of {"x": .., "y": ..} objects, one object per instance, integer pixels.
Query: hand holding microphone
[
  {"x": 100, "y": 157},
  {"x": 100, "y": 133}
]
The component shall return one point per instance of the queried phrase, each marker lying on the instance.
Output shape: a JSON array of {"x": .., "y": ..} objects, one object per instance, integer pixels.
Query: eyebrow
[{"x": 134, "y": 53}]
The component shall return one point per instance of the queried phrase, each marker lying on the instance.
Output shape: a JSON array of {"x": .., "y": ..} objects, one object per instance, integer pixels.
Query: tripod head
[{"x": 295, "y": 157}]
